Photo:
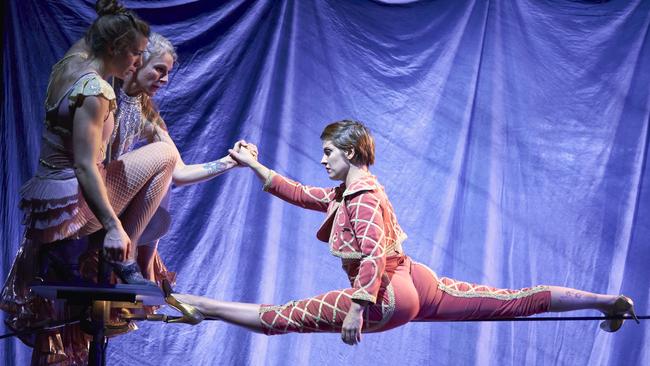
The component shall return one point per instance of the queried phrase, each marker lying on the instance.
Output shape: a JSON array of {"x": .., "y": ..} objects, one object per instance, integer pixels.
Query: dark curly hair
[{"x": 115, "y": 27}]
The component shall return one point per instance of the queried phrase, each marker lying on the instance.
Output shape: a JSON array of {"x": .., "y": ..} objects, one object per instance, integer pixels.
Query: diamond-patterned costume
[{"x": 361, "y": 229}]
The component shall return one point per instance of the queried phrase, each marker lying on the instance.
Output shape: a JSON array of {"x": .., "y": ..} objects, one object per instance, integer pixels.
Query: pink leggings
[{"x": 412, "y": 292}]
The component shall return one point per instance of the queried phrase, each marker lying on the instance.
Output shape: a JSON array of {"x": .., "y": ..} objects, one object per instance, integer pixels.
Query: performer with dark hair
[
  {"x": 139, "y": 123},
  {"x": 74, "y": 193},
  {"x": 387, "y": 288}
]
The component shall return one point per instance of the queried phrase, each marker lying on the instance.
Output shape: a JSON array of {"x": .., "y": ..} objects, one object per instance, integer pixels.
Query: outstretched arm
[
  {"x": 185, "y": 174},
  {"x": 313, "y": 198},
  {"x": 246, "y": 154},
  {"x": 196, "y": 173}
]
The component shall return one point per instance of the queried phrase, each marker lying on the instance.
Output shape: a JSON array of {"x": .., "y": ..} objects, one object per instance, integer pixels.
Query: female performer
[
  {"x": 138, "y": 119},
  {"x": 387, "y": 288},
  {"x": 74, "y": 193},
  {"x": 139, "y": 123}
]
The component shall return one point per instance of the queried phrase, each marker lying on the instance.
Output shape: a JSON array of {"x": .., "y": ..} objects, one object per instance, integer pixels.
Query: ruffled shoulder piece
[
  {"x": 92, "y": 85},
  {"x": 367, "y": 183},
  {"x": 68, "y": 57}
]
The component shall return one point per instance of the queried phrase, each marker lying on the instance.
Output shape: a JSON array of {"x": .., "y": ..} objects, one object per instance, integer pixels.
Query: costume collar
[
  {"x": 123, "y": 97},
  {"x": 366, "y": 183}
]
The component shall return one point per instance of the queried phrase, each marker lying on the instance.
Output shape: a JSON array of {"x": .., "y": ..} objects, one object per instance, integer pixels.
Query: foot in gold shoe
[
  {"x": 190, "y": 314},
  {"x": 622, "y": 305}
]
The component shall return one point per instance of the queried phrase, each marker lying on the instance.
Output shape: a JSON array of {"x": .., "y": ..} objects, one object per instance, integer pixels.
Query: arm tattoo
[{"x": 214, "y": 167}]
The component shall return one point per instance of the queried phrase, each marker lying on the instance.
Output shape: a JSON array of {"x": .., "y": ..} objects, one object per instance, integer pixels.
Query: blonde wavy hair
[{"x": 156, "y": 47}]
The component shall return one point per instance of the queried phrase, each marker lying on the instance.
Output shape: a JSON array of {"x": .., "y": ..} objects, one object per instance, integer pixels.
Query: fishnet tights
[{"x": 136, "y": 183}]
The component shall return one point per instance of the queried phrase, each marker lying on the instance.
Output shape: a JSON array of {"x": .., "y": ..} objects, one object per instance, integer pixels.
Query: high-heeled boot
[
  {"x": 622, "y": 305},
  {"x": 190, "y": 314}
]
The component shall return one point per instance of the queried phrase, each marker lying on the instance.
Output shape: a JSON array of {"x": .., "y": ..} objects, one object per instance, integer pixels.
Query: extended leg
[
  {"x": 242, "y": 314},
  {"x": 567, "y": 299},
  {"x": 443, "y": 298},
  {"x": 322, "y": 313},
  {"x": 448, "y": 299}
]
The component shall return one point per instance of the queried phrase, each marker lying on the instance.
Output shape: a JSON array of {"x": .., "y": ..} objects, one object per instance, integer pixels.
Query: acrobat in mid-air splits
[{"x": 387, "y": 288}]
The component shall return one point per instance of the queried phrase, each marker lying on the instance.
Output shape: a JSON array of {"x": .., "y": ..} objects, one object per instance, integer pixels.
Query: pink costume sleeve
[
  {"x": 313, "y": 198},
  {"x": 368, "y": 224}
]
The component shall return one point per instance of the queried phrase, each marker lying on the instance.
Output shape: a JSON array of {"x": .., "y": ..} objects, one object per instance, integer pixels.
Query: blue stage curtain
[{"x": 512, "y": 138}]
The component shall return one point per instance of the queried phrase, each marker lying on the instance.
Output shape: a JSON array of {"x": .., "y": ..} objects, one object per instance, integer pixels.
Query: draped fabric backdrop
[{"x": 512, "y": 138}]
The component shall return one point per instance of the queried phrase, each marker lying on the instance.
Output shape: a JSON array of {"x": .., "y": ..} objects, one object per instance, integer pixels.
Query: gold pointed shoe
[
  {"x": 622, "y": 305},
  {"x": 190, "y": 314}
]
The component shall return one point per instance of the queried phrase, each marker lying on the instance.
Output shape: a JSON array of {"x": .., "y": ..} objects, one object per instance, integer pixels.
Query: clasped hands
[{"x": 244, "y": 153}]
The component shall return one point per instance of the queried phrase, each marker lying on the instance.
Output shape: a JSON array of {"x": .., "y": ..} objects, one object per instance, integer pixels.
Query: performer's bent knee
[{"x": 164, "y": 154}]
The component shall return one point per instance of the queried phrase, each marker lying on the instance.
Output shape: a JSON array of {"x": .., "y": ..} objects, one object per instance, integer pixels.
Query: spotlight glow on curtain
[{"x": 512, "y": 138}]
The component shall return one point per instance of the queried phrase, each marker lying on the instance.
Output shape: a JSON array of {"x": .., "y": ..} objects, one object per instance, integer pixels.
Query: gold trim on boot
[{"x": 190, "y": 314}]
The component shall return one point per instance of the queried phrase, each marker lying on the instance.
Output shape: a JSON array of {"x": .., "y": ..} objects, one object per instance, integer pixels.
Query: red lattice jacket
[{"x": 361, "y": 227}]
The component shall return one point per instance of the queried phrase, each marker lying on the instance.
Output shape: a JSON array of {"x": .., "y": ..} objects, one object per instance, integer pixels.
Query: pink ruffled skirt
[
  {"x": 50, "y": 203},
  {"x": 52, "y": 206}
]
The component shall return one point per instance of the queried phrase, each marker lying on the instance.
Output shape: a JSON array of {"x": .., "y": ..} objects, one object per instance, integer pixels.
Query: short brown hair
[
  {"x": 352, "y": 135},
  {"x": 115, "y": 27}
]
